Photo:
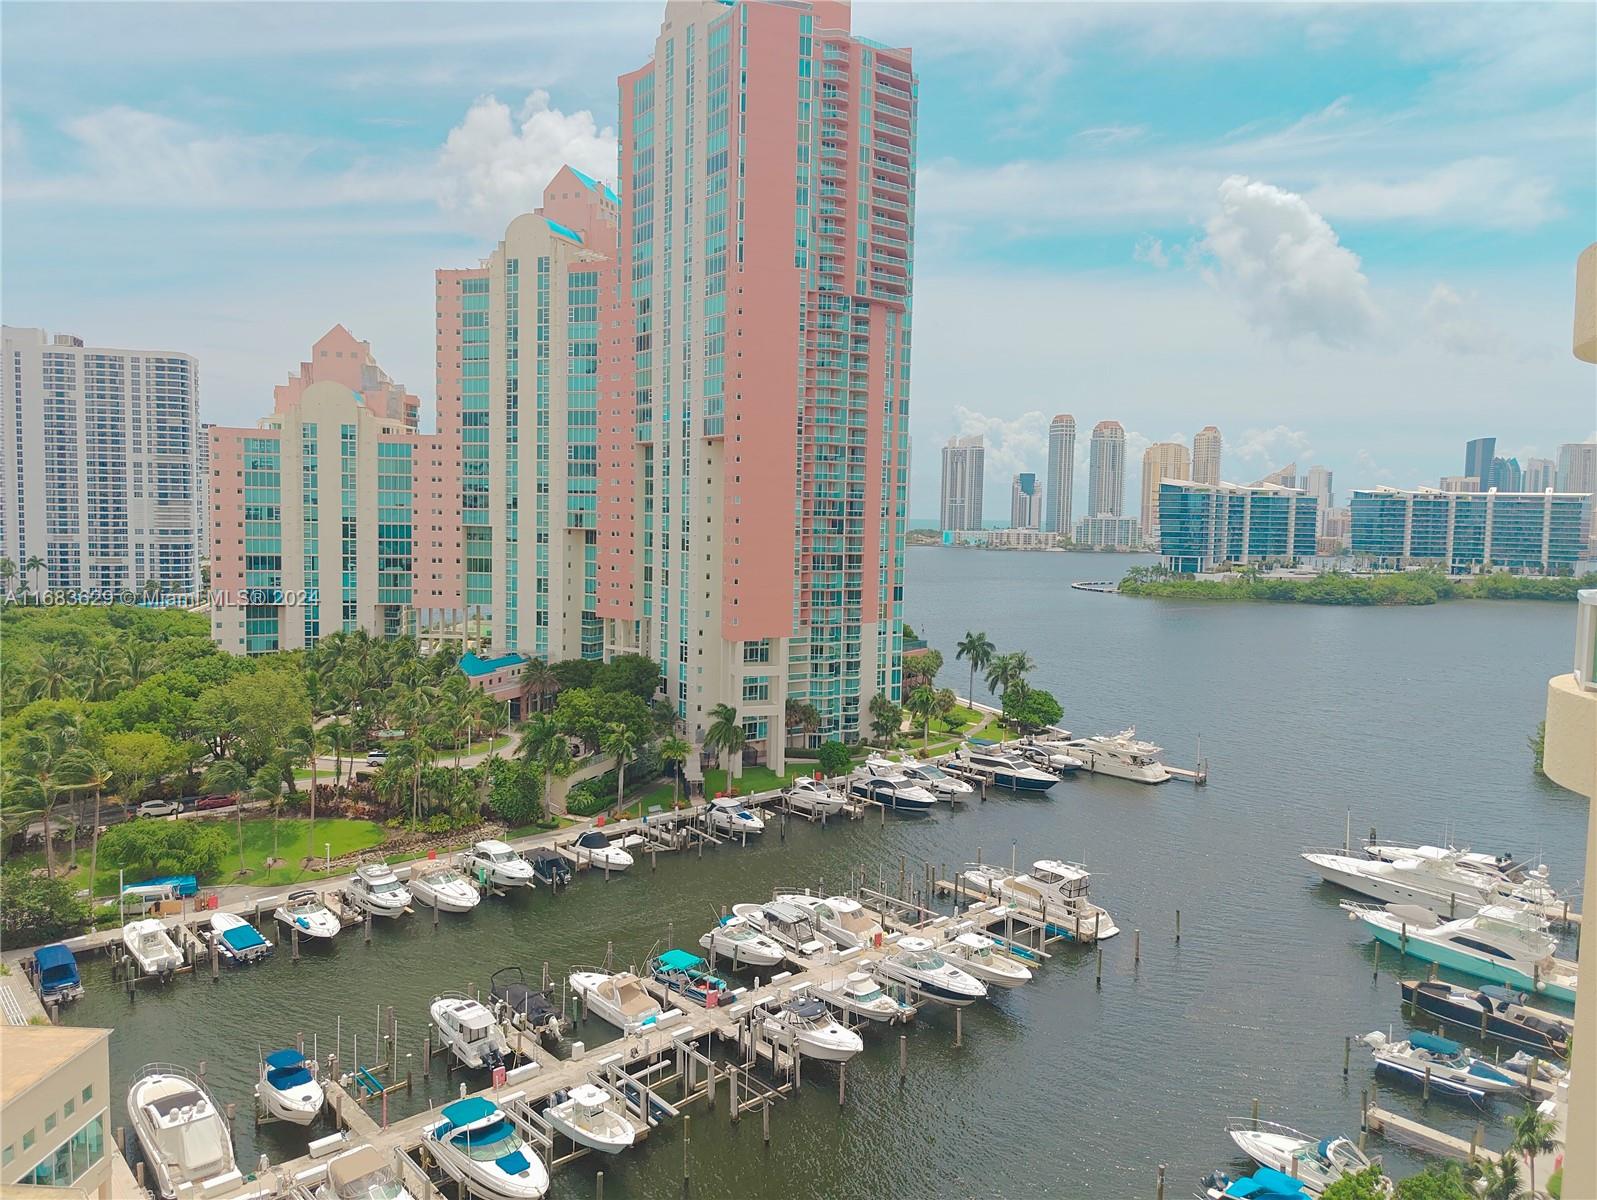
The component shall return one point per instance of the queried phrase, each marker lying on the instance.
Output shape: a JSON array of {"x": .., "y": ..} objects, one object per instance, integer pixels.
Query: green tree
[
  {"x": 834, "y": 759},
  {"x": 620, "y": 743},
  {"x": 1031, "y": 708},
  {"x": 920, "y": 668},
  {"x": 138, "y": 659},
  {"x": 228, "y": 776},
  {"x": 53, "y": 676},
  {"x": 801, "y": 716},
  {"x": 922, "y": 703},
  {"x": 1534, "y": 1133},
  {"x": 8, "y": 572},
  {"x": 978, "y": 650},
  {"x": 270, "y": 705},
  {"x": 33, "y": 566},
  {"x": 1368, "y": 1184},
  {"x": 44, "y": 753},
  {"x": 636, "y": 674},
  {"x": 575, "y": 672},
  {"x": 538, "y": 683},
  {"x": 726, "y": 738},
  {"x": 145, "y": 848},
  {"x": 36, "y": 909},
  {"x": 674, "y": 752},
  {"x": 1444, "y": 1182},
  {"x": 513, "y": 792},
  {"x": 140, "y": 761},
  {"x": 886, "y": 719},
  {"x": 544, "y": 746},
  {"x": 1499, "y": 1179},
  {"x": 266, "y": 787},
  {"x": 92, "y": 772}
]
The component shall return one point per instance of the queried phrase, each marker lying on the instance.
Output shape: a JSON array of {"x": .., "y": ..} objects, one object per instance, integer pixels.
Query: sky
[{"x": 1344, "y": 234}]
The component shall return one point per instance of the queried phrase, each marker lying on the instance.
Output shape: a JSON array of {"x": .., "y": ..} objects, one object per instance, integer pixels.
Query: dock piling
[
  {"x": 765, "y": 1121},
  {"x": 1347, "y": 1054},
  {"x": 1158, "y": 1188},
  {"x": 368, "y": 924},
  {"x": 1136, "y": 946},
  {"x": 1375, "y": 976},
  {"x": 687, "y": 1133},
  {"x": 842, "y": 1091},
  {"x": 598, "y": 1186},
  {"x": 216, "y": 961},
  {"x": 1178, "y": 926},
  {"x": 294, "y": 942},
  {"x": 1425, "y": 1092},
  {"x": 732, "y": 1094},
  {"x": 959, "y": 1027},
  {"x": 1255, "y": 1113},
  {"x": 1099, "y": 980},
  {"x": 903, "y": 1058}
]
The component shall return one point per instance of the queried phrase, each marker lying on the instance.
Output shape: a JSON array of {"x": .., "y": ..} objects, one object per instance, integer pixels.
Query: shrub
[
  {"x": 584, "y": 801},
  {"x": 167, "y": 847},
  {"x": 834, "y": 758},
  {"x": 515, "y": 792},
  {"x": 35, "y": 909}
]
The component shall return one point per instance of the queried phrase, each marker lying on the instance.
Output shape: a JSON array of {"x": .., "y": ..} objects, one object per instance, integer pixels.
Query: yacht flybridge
[
  {"x": 1118, "y": 754},
  {"x": 1054, "y": 890},
  {"x": 187, "y": 1144}
]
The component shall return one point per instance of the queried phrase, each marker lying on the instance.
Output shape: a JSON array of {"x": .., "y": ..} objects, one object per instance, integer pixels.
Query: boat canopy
[
  {"x": 1436, "y": 1045},
  {"x": 286, "y": 1069},
  {"x": 807, "y": 1008},
  {"x": 1503, "y": 995},
  {"x": 243, "y": 937},
  {"x": 464, "y": 1112},
  {"x": 181, "y": 885},
  {"x": 284, "y": 1058},
  {"x": 355, "y": 1167},
  {"x": 57, "y": 967},
  {"x": 593, "y": 840},
  {"x": 679, "y": 960},
  {"x": 1266, "y": 1183}
]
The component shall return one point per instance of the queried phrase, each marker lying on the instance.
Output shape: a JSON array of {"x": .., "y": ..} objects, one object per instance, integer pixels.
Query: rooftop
[
  {"x": 474, "y": 666},
  {"x": 34, "y": 1052}
]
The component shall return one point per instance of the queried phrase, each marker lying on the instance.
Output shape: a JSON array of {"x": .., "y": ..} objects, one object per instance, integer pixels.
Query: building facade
[
  {"x": 1460, "y": 483},
  {"x": 1478, "y": 456},
  {"x": 1108, "y": 533},
  {"x": 1540, "y": 474},
  {"x": 960, "y": 497},
  {"x": 55, "y": 1120},
  {"x": 1060, "y": 484},
  {"x": 1160, "y": 461},
  {"x": 1507, "y": 475},
  {"x": 1106, "y": 470},
  {"x": 1025, "y": 502},
  {"x": 1205, "y": 526},
  {"x": 1317, "y": 482},
  {"x": 202, "y": 490},
  {"x": 767, "y": 162},
  {"x": 1577, "y": 467},
  {"x": 98, "y": 454},
  {"x": 1206, "y": 448},
  {"x": 1469, "y": 531}
]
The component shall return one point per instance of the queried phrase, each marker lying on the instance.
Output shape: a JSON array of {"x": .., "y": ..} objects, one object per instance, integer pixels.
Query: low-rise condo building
[
  {"x": 1203, "y": 526},
  {"x": 1535, "y": 532}
]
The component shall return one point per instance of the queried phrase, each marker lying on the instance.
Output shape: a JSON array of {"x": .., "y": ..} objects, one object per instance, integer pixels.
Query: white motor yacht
[
  {"x": 592, "y": 1117},
  {"x": 620, "y": 999},
  {"x": 1002, "y": 769},
  {"x": 1050, "y": 758},
  {"x": 736, "y": 940},
  {"x": 936, "y": 780},
  {"x": 305, "y": 911},
  {"x": 151, "y": 947},
  {"x": 1505, "y": 945},
  {"x": 595, "y": 849},
  {"x": 186, "y": 1141},
  {"x": 1054, "y": 890},
  {"x": 495, "y": 862},
  {"x": 1118, "y": 754},
  {"x": 728, "y": 814},
  {"x": 917, "y": 963},
  {"x": 363, "y": 1174},
  {"x": 470, "y": 1031},
  {"x": 803, "y": 1026},
  {"x": 981, "y": 956},
  {"x": 842, "y": 920},
  {"x": 888, "y": 787},
  {"x": 1439, "y": 881},
  {"x": 1316, "y": 1163},
  {"x": 478, "y": 1143},
  {"x": 288, "y": 1088},
  {"x": 789, "y": 926},
  {"x": 439, "y": 885},
  {"x": 859, "y": 995},
  {"x": 813, "y": 796},
  {"x": 377, "y": 890},
  {"x": 1439, "y": 1063}
]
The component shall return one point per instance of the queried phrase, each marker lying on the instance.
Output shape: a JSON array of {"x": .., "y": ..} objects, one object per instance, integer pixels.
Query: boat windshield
[
  {"x": 489, "y": 1142},
  {"x": 378, "y": 1185},
  {"x": 737, "y": 933},
  {"x": 443, "y": 878},
  {"x": 383, "y": 887},
  {"x": 924, "y": 960},
  {"x": 499, "y": 856},
  {"x": 928, "y": 771},
  {"x": 866, "y": 992}
]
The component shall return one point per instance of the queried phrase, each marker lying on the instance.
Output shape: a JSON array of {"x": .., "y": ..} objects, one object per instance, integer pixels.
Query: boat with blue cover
[
  {"x": 57, "y": 972},
  {"x": 288, "y": 1088},
  {"x": 1266, "y": 1183},
  {"x": 478, "y": 1143},
  {"x": 1440, "y": 1062},
  {"x": 1316, "y": 1163},
  {"x": 688, "y": 975},
  {"x": 1492, "y": 1011},
  {"x": 237, "y": 942}
]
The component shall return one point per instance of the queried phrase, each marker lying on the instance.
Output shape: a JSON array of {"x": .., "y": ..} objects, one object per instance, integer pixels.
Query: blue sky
[{"x": 1343, "y": 234}]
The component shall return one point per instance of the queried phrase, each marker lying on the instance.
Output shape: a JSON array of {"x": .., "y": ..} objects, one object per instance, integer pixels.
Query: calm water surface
[{"x": 1415, "y": 720}]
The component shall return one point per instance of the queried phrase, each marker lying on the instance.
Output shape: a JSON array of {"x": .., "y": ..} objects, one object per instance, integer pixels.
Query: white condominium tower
[
  {"x": 963, "y": 479},
  {"x": 1106, "y": 470},
  {"x": 1206, "y": 456},
  {"x": 1061, "y": 477},
  {"x": 98, "y": 465}
]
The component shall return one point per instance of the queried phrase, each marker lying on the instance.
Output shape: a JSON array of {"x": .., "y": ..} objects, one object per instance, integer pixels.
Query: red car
[{"x": 215, "y": 801}]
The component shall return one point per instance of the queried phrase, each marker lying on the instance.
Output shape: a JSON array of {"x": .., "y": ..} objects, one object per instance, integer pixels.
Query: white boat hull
[
  {"x": 301, "y": 1106},
  {"x": 1334, "y": 870},
  {"x": 741, "y": 954},
  {"x": 604, "y": 1141},
  {"x": 489, "y": 1183},
  {"x": 449, "y": 900}
]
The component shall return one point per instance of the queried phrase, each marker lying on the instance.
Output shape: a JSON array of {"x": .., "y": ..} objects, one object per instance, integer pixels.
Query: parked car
[
  {"x": 205, "y": 803},
  {"x": 158, "y": 808},
  {"x": 376, "y": 758}
]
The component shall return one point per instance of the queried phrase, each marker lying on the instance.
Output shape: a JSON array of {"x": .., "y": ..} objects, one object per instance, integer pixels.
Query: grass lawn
[{"x": 756, "y": 779}]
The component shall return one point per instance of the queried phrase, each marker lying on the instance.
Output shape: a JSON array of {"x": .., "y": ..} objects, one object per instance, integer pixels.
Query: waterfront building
[
  {"x": 1507, "y": 475},
  {"x": 1206, "y": 448},
  {"x": 499, "y": 676},
  {"x": 1021, "y": 539},
  {"x": 1204, "y": 526},
  {"x": 1460, "y": 483},
  {"x": 1540, "y": 474},
  {"x": 97, "y": 465},
  {"x": 1061, "y": 479},
  {"x": 1468, "y": 531},
  {"x": 1106, "y": 470},
  {"x": 767, "y": 162},
  {"x": 1577, "y": 467},
  {"x": 340, "y": 357},
  {"x": 1336, "y": 524},
  {"x": 1107, "y": 532},
  {"x": 961, "y": 494},
  {"x": 55, "y": 1120},
  {"x": 1025, "y": 502},
  {"x": 1160, "y": 461},
  {"x": 332, "y": 516},
  {"x": 1478, "y": 455},
  {"x": 202, "y": 490}
]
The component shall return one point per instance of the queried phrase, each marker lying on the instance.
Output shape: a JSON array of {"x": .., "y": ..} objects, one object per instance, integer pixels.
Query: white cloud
[
  {"x": 1271, "y": 448},
  {"x": 1370, "y": 468},
  {"x": 1485, "y": 193},
  {"x": 1113, "y": 135},
  {"x": 1151, "y": 251},
  {"x": 492, "y": 168},
  {"x": 1282, "y": 264},
  {"x": 1012, "y": 444},
  {"x": 1455, "y": 323}
]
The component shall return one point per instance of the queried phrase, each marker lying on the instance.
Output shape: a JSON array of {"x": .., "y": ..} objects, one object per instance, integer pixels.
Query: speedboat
[
  {"x": 1504, "y": 945},
  {"x": 439, "y": 885},
  {"x": 57, "y": 972},
  {"x": 591, "y": 1117},
  {"x": 619, "y": 999},
  {"x": 470, "y": 1032},
  {"x": 842, "y": 920},
  {"x": 548, "y": 867},
  {"x": 186, "y": 1143},
  {"x": 803, "y": 1026},
  {"x": 746, "y": 946},
  {"x": 1315, "y": 1163},
  {"x": 1118, "y": 754},
  {"x": 524, "y": 1007},
  {"x": 1003, "y": 769},
  {"x": 1265, "y": 1183},
  {"x": 377, "y": 890},
  {"x": 889, "y": 788},
  {"x": 1439, "y": 1062},
  {"x": 813, "y": 796},
  {"x": 935, "y": 780},
  {"x": 237, "y": 942},
  {"x": 151, "y": 947},
  {"x": 492, "y": 861},
  {"x": 1054, "y": 890},
  {"x": 363, "y": 1174},
  {"x": 305, "y": 911},
  {"x": 916, "y": 963},
  {"x": 480, "y": 1144},
  {"x": 595, "y": 849},
  {"x": 1493, "y": 1011},
  {"x": 789, "y": 926},
  {"x": 688, "y": 975},
  {"x": 730, "y": 815},
  {"x": 1048, "y": 758},
  {"x": 1439, "y": 881},
  {"x": 288, "y": 1088},
  {"x": 859, "y": 995},
  {"x": 980, "y": 956}
]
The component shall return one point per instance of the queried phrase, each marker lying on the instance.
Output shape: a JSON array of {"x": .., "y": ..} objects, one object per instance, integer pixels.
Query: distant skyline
[{"x": 1356, "y": 251}]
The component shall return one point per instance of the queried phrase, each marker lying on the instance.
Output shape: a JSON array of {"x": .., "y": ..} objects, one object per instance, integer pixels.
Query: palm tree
[
  {"x": 53, "y": 674},
  {"x": 44, "y": 757},
  {"x": 86, "y": 769},
  {"x": 8, "y": 572},
  {"x": 978, "y": 650},
  {"x": 1005, "y": 670},
  {"x": 537, "y": 680},
  {"x": 804, "y": 717},
  {"x": 674, "y": 752},
  {"x": 886, "y": 717},
  {"x": 137, "y": 659},
  {"x": 319, "y": 740},
  {"x": 1534, "y": 1133},
  {"x": 922, "y": 703},
  {"x": 620, "y": 742},
  {"x": 227, "y": 775},
  {"x": 1500, "y": 1179},
  {"x": 544, "y": 746},
  {"x": 725, "y": 737},
  {"x": 340, "y": 739},
  {"x": 266, "y": 785},
  {"x": 33, "y": 566}
]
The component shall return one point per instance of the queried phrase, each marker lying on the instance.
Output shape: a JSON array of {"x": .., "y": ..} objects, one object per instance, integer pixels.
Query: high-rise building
[
  {"x": 1540, "y": 474},
  {"x": 331, "y": 515},
  {"x": 1025, "y": 502},
  {"x": 1465, "y": 531},
  {"x": 202, "y": 491},
  {"x": 1478, "y": 455},
  {"x": 340, "y": 357},
  {"x": 1206, "y": 447},
  {"x": 1160, "y": 461},
  {"x": 767, "y": 162},
  {"x": 1286, "y": 477},
  {"x": 1106, "y": 470},
  {"x": 1317, "y": 482},
  {"x": 1460, "y": 483},
  {"x": 1577, "y": 467},
  {"x": 1203, "y": 526},
  {"x": 97, "y": 465},
  {"x": 963, "y": 480},
  {"x": 1108, "y": 533},
  {"x": 1061, "y": 479},
  {"x": 1507, "y": 475}
]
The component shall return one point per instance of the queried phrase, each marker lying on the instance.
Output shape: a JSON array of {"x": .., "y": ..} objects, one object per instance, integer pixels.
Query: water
[{"x": 1415, "y": 720}]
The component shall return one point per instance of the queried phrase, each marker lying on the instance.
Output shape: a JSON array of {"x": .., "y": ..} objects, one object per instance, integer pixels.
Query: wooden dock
[{"x": 1416, "y": 1135}]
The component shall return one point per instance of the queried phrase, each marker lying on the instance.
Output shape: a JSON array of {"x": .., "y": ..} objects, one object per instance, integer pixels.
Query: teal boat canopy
[
  {"x": 679, "y": 960},
  {"x": 464, "y": 1112},
  {"x": 1266, "y": 1183},
  {"x": 1436, "y": 1045}
]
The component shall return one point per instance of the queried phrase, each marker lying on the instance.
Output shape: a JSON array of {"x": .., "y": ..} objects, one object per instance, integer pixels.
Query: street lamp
[{"x": 327, "y": 849}]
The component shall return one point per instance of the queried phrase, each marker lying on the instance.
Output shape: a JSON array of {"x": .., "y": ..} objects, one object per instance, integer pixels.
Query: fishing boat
[
  {"x": 1440, "y": 1063},
  {"x": 736, "y": 939},
  {"x": 1118, "y": 754},
  {"x": 595, "y": 849},
  {"x": 592, "y": 1117},
  {"x": 57, "y": 972},
  {"x": 889, "y": 788},
  {"x": 549, "y": 868},
  {"x": 186, "y": 1143},
  {"x": 1053, "y": 890},
  {"x": 376, "y": 889},
  {"x": 151, "y": 947},
  {"x": 1316, "y": 1163},
  {"x": 522, "y": 1006},
  {"x": 789, "y": 926},
  {"x": 478, "y": 1143},
  {"x": 813, "y": 796},
  {"x": 1492, "y": 1011},
  {"x": 440, "y": 885},
  {"x": 689, "y": 975},
  {"x": 1264, "y": 1184},
  {"x": 305, "y": 911},
  {"x": 620, "y": 999},
  {"x": 982, "y": 957},
  {"x": 804, "y": 1026},
  {"x": 494, "y": 862},
  {"x": 237, "y": 942},
  {"x": 1501, "y": 944},
  {"x": 363, "y": 1174},
  {"x": 730, "y": 815},
  {"x": 1439, "y": 881},
  {"x": 842, "y": 920},
  {"x": 916, "y": 963},
  {"x": 469, "y": 1031},
  {"x": 1003, "y": 769},
  {"x": 288, "y": 1088},
  {"x": 859, "y": 995}
]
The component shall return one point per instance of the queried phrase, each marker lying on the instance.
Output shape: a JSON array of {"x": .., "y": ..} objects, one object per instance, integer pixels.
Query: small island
[{"x": 1337, "y": 587}]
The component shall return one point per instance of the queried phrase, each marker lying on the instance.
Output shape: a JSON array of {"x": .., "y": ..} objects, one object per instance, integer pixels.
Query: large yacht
[
  {"x": 1118, "y": 754},
  {"x": 186, "y": 1142},
  {"x": 1053, "y": 890},
  {"x": 1439, "y": 881},
  {"x": 1003, "y": 769},
  {"x": 1504, "y": 945}
]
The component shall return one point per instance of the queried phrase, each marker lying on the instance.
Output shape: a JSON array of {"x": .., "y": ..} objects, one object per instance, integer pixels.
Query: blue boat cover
[
  {"x": 1266, "y": 1184},
  {"x": 287, "y": 1077},
  {"x": 464, "y": 1112},
  {"x": 243, "y": 937},
  {"x": 284, "y": 1058},
  {"x": 182, "y": 885},
  {"x": 680, "y": 960},
  {"x": 513, "y": 1163},
  {"x": 1436, "y": 1045},
  {"x": 57, "y": 967}
]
